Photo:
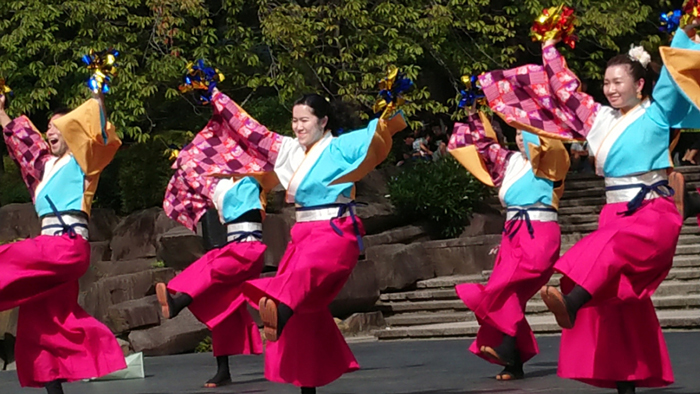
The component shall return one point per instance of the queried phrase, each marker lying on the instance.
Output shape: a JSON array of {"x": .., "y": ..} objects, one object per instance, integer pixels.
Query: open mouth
[{"x": 53, "y": 141}]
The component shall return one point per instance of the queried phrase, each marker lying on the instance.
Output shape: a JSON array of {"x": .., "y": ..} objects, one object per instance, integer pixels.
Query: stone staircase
[{"x": 433, "y": 309}]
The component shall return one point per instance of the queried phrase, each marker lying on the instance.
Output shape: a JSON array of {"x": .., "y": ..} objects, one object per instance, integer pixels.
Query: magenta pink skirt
[
  {"x": 311, "y": 352},
  {"x": 524, "y": 264},
  {"x": 215, "y": 284},
  {"x": 617, "y": 336},
  {"x": 56, "y": 338}
]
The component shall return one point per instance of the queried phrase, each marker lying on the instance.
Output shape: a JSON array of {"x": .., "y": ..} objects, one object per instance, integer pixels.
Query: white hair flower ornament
[{"x": 637, "y": 53}]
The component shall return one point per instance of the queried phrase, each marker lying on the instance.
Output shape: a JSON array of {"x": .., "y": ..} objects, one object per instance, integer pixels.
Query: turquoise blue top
[
  {"x": 520, "y": 186},
  {"x": 244, "y": 196},
  {"x": 313, "y": 178},
  {"x": 64, "y": 184}
]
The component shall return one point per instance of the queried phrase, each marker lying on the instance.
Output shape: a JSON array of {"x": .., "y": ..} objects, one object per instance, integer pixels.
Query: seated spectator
[
  {"x": 441, "y": 151},
  {"x": 691, "y": 155},
  {"x": 406, "y": 150},
  {"x": 420, "y": 147},
  {"x": 582, "y": 158}
]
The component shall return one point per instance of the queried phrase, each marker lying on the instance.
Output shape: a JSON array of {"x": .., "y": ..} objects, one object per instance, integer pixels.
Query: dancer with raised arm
[
  {"x": 612, "y": 337},
  {"x": 530, "y": 184},
  {"x": 210, "y": 173},
  {"x": 318, "y": 168},
  {"x": 57, "y": 341}
]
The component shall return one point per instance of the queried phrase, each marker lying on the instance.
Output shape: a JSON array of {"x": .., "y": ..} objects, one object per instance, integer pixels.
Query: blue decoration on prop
[
  {"x": 201, "y": 78},
  {"x": 472, "y": 92},
  {"x": 104, "y": 67},
  {"x": 391, "y": 92},
  {"x": 670, "y": 21}
]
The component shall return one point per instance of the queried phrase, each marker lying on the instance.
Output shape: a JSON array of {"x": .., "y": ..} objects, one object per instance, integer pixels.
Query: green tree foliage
[
  {"x": 273, "y": 50},
  {"x": 340, "y": 48},
  {"x": 440, "y": 193}
]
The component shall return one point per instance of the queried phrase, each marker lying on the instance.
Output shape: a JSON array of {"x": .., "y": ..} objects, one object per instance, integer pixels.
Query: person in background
[{"x": 582, "y": 158}]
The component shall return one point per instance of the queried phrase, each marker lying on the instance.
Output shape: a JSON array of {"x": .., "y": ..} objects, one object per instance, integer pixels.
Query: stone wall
[{"x": 131, "y": 254}]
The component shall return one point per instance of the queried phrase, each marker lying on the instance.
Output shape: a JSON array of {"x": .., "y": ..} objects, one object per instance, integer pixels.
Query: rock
[
  {"x": 134, "y": 314},
  {"x": 135, "y": 236},
  {"x": 109, "y": 291},
  {"x": 18, "y": 221},
  {"x": 362, "y": 323},
  {"x": 379, "y": 215},
  {"x": 103, "y": 269},
  {"x": 360, "y": 292},
  {"x": 400, "y": 235},
  {"x": 8, "y": 322},
  {"x": 102, "y": 224},
  {"x": 276, "y": 227},
  {"x": 179, "y": 247},
  {"x": 99, "y": 251},
  {"x": 179, "y": 335},
  {"x": 462, "y": 256},
  {"x": 126, "y": 346},
  {"x": 484, "y": 223},
  {"x": 399, "y": 267},
  {"x": 275, "y": 200}
]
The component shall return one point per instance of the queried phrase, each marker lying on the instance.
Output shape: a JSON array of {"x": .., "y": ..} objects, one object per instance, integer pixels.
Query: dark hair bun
[{"x": 341, "y": 117}]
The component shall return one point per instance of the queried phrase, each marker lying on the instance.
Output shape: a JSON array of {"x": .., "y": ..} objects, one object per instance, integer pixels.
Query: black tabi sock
[
  {"x": 691, "y": 204},
  {"x": 506, "y": 350},
  {"x": 222, "y": 371},
  {"x": 308, "y": 390},
  {"x": 516, "y": 369},
  {"x": 284, "y": 313},
  {"x": 577, "y": 298},
  {"x": 177, "y": 303},
  {"x": 54, "y": 387},
  {"x": 625, "y": 388}
]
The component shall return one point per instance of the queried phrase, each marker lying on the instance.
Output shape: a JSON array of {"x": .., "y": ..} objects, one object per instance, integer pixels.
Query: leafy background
[{"x": 270, "y": 52}]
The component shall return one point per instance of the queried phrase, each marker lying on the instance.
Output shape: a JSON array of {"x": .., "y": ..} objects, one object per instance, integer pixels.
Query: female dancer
[
  {"x": 57, "y": 341},
  {"x": 318, "y": 169},
  {"x": 612, "y": 337},
  {"x": 208, "y": 173},
  {"x": 531, "y": 184}
]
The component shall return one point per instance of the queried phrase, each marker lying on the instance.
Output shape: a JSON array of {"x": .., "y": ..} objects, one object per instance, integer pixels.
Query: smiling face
[
  {"x": 56, "y": 142},
  {"x": 519, "y": 141},
  {"x": 620, "y": 88},
  {"x": 307, "y": 127}
]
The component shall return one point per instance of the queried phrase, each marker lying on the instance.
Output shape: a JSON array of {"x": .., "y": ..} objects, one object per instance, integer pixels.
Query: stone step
[
  {"x": 689, "y": 318},
  {"x": 575, "y": 185},
  {"x": 683, "y": 240},
  {"x": 536, "y": 305},
  {"x": 449, "y": 281},
  {"x": 679, "y": 282},
  {"x": 422, "y": 318},
  {"x": 586, "y": 228},
  {"x": 580, "y": 210},
  {"x": 686, "y": 261},
  {"x": 583, "y": 202},
  {"x": 683, "y": 269}
]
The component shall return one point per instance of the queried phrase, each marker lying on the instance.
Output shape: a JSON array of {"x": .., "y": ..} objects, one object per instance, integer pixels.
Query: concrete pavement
[{"x": 400, "y": 367}]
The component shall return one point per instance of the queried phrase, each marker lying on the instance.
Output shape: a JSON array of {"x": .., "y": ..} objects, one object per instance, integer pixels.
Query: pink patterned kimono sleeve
[
  {"x": 494, "y": 156},
  {"x": 258, "y": 139},
  {"x": 28, "y": 149},
  {"x": 232, "y": 143},
  {"x": 545, "y": 100}
]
